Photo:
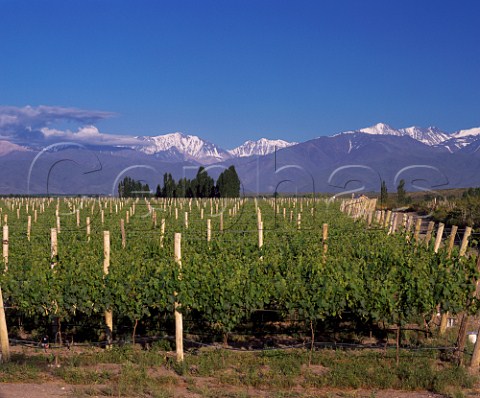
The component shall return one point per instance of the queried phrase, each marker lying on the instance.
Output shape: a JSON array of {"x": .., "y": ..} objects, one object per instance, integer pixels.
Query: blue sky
[{"x": 229, "y": 71}]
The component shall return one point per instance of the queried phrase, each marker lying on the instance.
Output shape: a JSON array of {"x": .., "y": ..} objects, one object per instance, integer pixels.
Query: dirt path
[
  {"x": 55, "y": 390},
  {"x": 47, "y": 383},
  {"x": 21, "y": 390}
]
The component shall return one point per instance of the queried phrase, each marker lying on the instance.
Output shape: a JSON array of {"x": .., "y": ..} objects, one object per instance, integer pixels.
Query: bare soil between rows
[
  {"x": 57, "y": 390},
  {"x": 48, "y": 384}
]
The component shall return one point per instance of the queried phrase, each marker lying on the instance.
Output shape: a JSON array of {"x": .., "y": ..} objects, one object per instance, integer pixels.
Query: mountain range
[
  {"x": 181, "y": 147},
  {"x": 351, "y": 161}
]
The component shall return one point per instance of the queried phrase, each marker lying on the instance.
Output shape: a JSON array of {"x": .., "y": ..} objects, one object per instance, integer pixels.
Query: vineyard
[{"x": 231, "y": 267}]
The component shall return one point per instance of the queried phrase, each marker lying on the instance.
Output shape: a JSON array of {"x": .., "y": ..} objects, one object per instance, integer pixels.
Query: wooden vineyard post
[
  {"x": 451, "y": 241},
  {"x": 209, "y": 230},
  {"x": 260, "y": 237},
  {"x": 324, "y": 241},
  {"x": 462, "y": 331},
  {"x": 388, "y": 215},
  {"x": 5, "y": 247},
  {"x": 88, "y": 228},
  {"x": 178, "y": 315},
  {"x": 221, "y": 222},
  {"x": 162, "y": 232},
  {"x": 122, "y": 231},
  {"x": 397, "y": 220},
  {"x": 428, "y": 236},
  {"x": 5, "y": 346},
  {"x": 464, "y": 245},
  {"x": 436, "y": 247},
  {"x": 260, "y": 234},
  {"x": 106, "y": 265},
  {"x": 53, "y": 247},
  {"x": 29, "y": 227},
  {"x": 186, "y": 220},
  {"x": 409, "y": 224},
  {"x": 392, "y": 225},
  {"x": 78, "y": 217},
  {"x": 475, "y": 361},
  {"x": 438, "y": 238},
  {"x": 418, "y": 225},
  {"x": 370, "y": 217}
]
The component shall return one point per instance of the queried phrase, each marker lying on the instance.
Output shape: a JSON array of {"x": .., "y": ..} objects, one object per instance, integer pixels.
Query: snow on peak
[
  {"x": 180, "y": 146},
  {"x": 380, "y": 129},
  {"x": 466, "y": 133},
  {"x": 190, "y": 147},
  {"x": 429, "y": 136},
  {"x": 261, "y": 147}
]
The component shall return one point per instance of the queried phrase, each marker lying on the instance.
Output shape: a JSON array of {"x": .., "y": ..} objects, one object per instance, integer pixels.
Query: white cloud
[
  {"x": 40, "y": 116},
  {"x": 89, "y": 135},
  {"x": 87, "y": 131},
  {"x": 34, "y": 125}
]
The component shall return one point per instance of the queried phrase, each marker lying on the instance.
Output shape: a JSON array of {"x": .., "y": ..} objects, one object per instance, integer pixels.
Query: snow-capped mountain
[
  {"x": 178, "y": 146},
  {"x": 331, "y": 162},
  {"x": 261, "y": 147},
  {"x": 461, "y": 139},
  {"x": 474, "y": 132},
  {"x": 431, "y": 136},
  {"x": 181, "y": 147},
  {"x": 380, "y": 129},
  {"x": 428, "y": 136}
]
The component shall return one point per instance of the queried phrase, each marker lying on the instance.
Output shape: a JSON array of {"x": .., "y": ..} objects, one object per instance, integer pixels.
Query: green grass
[
  {"x": 75, "y": 375},
  {"x": 154, "y": 373},
  {"x": 15, "y": 373}
]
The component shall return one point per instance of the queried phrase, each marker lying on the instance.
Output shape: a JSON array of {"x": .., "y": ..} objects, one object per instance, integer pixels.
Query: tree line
[
  {"x": 401, "y": 198},
  {"x": 202, "y": 186},
  {"x": 128, "y": 188}
]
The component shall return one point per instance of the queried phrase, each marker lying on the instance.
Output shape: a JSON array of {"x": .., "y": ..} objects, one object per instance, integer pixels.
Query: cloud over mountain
[
  {"x": 26, "y": 123},
  {"x": 89, "y": 135}
]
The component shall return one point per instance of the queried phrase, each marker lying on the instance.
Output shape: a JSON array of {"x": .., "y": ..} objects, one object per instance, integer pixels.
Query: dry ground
[
  {"x": 56, "y": 390},
  {"x": 50, "y": 385}
]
